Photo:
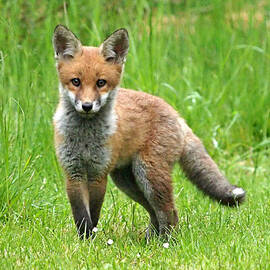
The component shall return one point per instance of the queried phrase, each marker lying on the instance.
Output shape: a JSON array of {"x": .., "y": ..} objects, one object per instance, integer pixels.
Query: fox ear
[
  {"x": 65, "y": 43},
  {"x": 115, "y": 47}
]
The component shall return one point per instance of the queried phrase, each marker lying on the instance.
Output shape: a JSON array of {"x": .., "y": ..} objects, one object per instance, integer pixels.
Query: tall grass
[{"x": 209, "y": 60}]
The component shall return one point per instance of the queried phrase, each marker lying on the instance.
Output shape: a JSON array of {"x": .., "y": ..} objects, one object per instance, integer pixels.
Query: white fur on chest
[{"x": 84, "y": 152}]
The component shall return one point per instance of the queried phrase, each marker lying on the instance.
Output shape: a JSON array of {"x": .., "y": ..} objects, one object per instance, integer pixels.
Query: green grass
[{"x": 210, "y": 61}]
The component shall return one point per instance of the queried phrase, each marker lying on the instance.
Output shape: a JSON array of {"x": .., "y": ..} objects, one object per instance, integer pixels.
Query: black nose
[{"x": 87, "y": 106}]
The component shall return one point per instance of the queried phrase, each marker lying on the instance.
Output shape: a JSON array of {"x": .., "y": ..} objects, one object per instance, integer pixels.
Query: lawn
[{"x": 210, "y": 60}]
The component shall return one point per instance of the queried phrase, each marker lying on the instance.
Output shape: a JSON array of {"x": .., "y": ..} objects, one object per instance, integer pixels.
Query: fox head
[{"x": 88, "y": 75}]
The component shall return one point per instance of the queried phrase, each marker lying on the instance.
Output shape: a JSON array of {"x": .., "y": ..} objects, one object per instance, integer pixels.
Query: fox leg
[
  {"x": 154, "y": 180},
  {"x": 79, "y": 200},
  {"x": 86, "y": 199},
  {"x": 124, "y": 179},
  {"x": 97, "y": 191}
]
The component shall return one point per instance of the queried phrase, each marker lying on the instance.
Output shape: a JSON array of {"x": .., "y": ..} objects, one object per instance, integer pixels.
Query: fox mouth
[{"x": 86, "y": 114}]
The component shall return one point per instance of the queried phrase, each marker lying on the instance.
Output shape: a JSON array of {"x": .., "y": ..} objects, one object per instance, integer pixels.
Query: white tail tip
[{"x": 238, "y": 192}]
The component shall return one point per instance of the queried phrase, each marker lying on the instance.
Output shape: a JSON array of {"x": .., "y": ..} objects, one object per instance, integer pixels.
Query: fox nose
[{"x": 87, "y": 106}]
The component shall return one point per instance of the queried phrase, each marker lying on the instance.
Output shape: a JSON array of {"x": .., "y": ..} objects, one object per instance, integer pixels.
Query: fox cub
[{"x": 134, "y": 137}]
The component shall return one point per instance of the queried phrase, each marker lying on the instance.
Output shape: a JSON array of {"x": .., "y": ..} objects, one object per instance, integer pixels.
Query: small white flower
[
  {"x": 215, "y": 143},
  {"x": 166, "y": 245},
  {"x": 110, "y": 242},
  {"x": 138, "y": 255},
  {"x": 95, "y": 229}
]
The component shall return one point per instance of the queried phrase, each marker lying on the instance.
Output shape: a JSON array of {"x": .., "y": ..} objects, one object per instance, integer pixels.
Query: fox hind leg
[
  {"x": 124, "y": 179},
  {"x": 154, "y": 181}
]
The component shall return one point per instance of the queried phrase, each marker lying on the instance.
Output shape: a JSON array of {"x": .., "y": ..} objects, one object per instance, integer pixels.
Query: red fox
[{"x": 136, "y": 138}]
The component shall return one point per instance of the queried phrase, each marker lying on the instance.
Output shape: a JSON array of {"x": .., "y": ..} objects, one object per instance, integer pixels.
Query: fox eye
[
  {"x": 76, "y": 82},
  {"x": 101, "y": 83}
]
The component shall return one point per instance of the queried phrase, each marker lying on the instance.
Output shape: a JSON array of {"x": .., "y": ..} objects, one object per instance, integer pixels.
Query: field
[{"x": 210, "y": 60}]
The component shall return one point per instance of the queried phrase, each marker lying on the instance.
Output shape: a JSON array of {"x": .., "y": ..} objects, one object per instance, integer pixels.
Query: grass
[{"x": 210, "y": 61}]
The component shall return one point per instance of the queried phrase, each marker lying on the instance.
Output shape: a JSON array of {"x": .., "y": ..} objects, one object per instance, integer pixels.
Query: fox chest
[{"x": 84, "y": 154}]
